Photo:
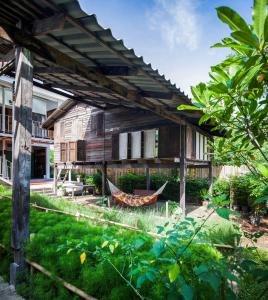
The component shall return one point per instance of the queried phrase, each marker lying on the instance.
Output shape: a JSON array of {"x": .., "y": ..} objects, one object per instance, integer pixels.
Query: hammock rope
[{"x": 134, "y": 200}]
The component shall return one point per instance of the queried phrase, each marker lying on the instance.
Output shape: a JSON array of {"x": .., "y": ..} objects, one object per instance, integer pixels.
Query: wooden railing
[
  {"x": 37, "y": 130},
  {"x": 5, "y": 168},
  {"x": 8, "y": 124}
]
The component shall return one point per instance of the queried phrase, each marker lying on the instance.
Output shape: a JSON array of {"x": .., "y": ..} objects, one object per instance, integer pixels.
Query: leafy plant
[{"x": 235, "y": 100}]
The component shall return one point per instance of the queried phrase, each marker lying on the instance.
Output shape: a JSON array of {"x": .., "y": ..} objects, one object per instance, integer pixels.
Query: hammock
[{"x": 134, "y": 200}]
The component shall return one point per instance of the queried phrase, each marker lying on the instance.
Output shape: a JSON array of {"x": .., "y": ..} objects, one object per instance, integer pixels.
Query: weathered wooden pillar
[
  {"x": 183, "y": 170},
  {"x": 3, "y": 111},
  {"x": 21, "y": 158},
  {"x": 210, "y": 177},
  {"x": 104, "y": 177},
  {"x": 55, "y": 178},
  {"x": 148, "y": 178}
]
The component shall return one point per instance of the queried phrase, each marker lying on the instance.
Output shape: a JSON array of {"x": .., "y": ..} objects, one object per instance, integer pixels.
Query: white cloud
[{"x": 177, "y": 21}]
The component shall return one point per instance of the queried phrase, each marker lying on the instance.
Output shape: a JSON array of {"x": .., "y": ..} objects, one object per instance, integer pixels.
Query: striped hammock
[{"x": 133, "y": 200}]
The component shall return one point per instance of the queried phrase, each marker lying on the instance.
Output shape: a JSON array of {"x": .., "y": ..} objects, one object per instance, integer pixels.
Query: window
[
  {"x": 150, "y": 143},
  {"x": 63, "y": 152},
  {"x": 123, "y": 143},
  {"x": 100, "y": 124},
  {"x": 136, "y": 144}
]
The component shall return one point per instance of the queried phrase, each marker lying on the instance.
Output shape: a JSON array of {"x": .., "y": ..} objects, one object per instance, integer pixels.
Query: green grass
[{"x": 98, "y": 278}]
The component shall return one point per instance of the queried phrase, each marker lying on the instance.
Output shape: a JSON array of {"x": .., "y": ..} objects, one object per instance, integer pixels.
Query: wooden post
[
  {"x": 148, "y": 178},
  {"x": 55, "y": 179},
  {"x": 104, "y": 178},
  {"x": 183, "y": 170},
  {"x": 3, "y": 111},
  {"x": 210, "y": 177},
  {"x": 21, "y": 158}
]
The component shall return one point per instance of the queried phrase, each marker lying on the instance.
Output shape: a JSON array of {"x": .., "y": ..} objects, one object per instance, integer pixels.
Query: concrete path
[{"x": 7, "y": 292}]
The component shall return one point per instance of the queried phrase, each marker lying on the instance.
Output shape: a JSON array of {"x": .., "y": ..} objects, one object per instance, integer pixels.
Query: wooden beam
[
  {"x": 48, "y": 25},
  {"x": 104, "y": 177},
  {"x": 21, "y": 158},
  {"x": 87, "y": 88},
  {"x": 183, "y": 152},
  {"x": 148, "y": 178},
  {"x": 109, "y": 71}
]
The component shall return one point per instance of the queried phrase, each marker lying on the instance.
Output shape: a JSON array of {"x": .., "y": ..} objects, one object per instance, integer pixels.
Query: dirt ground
[{"x": 248, "y": 227}]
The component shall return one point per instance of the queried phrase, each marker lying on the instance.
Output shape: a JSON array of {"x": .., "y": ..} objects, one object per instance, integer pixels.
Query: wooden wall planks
[{"x": 100, "y": 130}]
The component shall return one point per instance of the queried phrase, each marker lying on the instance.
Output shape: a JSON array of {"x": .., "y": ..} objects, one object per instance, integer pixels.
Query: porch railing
[
  {"x": 37, "y": 130},
  {"x": 8, "y": 124},
  {"x": 5, "y": 168}
]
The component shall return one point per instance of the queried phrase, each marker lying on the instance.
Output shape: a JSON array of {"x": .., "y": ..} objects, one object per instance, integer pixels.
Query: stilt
[
  {"x": 210, "y": 177},
  {"x": 21, "y": 158},
  {"x": 183, "y": 170},
  {"x": 55, "y": 179},
  {"x": 104, "y": 178},
  {"x": 148, "y": 178},
  {"x": 70, "y": 175}
]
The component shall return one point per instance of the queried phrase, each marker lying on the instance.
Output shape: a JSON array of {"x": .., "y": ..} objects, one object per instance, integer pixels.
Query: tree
[{"x": 235, "y": 100}]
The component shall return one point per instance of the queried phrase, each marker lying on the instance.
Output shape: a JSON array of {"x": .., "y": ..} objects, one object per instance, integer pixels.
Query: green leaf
[
  {"x": 204, "y": 119},
  {"x": 232, "y": 19},
  {"x": 263, "y": 170},
  {"x": 251, "y": 74},
  {"x": 149, "y": 276},
  {"x": 158, "y": 248},
  {"x": 212, "y": 279},
  {"x": 219, "y": 88},
  {"x": 225, "y": 212},
  {"x": 259, "y": 16},
  {"x": 187, "y": 292},
  {"x": 200, "y": 269},
  {"x": 173, "y": 272},
  {"x": 140, "y": 281},
  {"x": 266, "y": 29},
  {"x": 188, "y": 107},
  {"x": 261, "y": 200},
  {"x": 245, "y": 38}
]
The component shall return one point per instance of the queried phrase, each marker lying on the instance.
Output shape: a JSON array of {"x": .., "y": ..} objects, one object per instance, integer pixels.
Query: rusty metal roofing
[{"x": 83, "y": 40}]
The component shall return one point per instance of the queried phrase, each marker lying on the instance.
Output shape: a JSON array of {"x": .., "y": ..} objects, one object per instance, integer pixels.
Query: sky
[{"x": 173, "y": 35}]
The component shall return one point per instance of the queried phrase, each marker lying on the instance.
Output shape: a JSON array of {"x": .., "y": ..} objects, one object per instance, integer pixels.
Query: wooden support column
[
  {"x": 210, "y": 177},
  {"x": 21, "y": 158},
  {"x": 148, "y": 178},
  {"x": 55, "y": 179},
  {"x": 183, "y": 170},
  {"x": 104, "y": 178},
  {"x": 3, "y": 111}
]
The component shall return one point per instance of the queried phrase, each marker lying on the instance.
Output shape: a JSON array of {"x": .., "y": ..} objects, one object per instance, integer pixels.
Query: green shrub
[
  {"x": 221, "y": 186},
  {"x": 240, "y": 189},
  {"x": 97, "y": 181}
]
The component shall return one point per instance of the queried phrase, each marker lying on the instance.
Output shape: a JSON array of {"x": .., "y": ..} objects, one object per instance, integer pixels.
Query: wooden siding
[{"x": 146, "y": 135}]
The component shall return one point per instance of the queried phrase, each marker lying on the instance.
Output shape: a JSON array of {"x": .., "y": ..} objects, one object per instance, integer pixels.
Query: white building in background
[{"x": 44, "y": 103}]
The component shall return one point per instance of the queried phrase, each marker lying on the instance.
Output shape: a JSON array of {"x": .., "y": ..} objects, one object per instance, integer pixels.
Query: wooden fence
[{"x": 218, "y": 171}]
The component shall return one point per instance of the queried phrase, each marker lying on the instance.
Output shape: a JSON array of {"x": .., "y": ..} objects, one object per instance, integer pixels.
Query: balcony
[{"x": 37, "y": 130}]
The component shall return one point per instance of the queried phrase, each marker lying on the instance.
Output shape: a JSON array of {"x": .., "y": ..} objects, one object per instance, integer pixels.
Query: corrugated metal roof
[{"x": 84, "y": 40}]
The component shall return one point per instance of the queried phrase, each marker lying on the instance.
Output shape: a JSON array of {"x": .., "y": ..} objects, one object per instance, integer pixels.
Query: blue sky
[{"x": 173, "y": 35}]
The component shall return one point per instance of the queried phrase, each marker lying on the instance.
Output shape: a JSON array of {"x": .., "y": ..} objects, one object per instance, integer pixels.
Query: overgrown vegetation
[
  {"x": 235, "y": 101},
  {"x": 88, "y": 256}
]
